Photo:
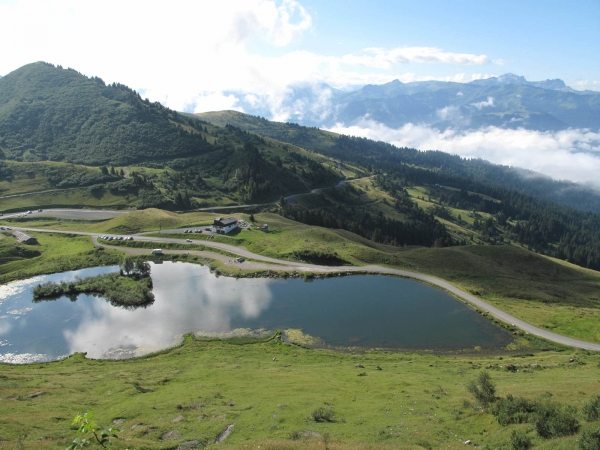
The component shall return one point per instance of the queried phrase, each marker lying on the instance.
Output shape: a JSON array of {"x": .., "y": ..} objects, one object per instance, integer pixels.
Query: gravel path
[{"x": 267, "y": 263}]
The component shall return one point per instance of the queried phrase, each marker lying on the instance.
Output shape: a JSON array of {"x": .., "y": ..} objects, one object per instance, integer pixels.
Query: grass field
[
  {"x": 269, "y": 391},
  {"x": 57, "y": 253}
]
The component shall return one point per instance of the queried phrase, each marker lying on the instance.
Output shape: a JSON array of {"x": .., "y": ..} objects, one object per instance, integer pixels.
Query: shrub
[
  {"x": 483, "y": 389},
  {"x": 323, "y": 414},
  {"x": 590, "y": 440},
  {"x": 553, "y": 420},
  {"x": 511, "y": 410},
  {"x": 591, "y": 410},
  {"x": 519, "y": 440}
]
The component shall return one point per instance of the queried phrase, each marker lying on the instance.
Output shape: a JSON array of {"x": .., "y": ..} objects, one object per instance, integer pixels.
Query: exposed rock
[
  {"x": 170, "y": 435},
  {"x": 225, "y": 433},
  {"x": 35, "y": 394},
  {"x": 307, "y": 434},
  {"x": 190, "y": 445}
]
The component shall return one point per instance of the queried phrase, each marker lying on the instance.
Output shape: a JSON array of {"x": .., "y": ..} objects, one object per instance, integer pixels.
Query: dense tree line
[
  {"x": 424, "y": 230},
  {"x": 542, "y": 226},
  {"x": 345, "y": 209}
]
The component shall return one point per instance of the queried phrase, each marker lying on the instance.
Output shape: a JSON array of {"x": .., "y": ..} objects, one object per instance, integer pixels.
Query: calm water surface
[{"x": 362, "y": 310}]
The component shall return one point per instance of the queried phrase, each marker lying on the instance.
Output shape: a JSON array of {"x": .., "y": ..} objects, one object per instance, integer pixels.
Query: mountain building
[{"x": 225, "y": 225}]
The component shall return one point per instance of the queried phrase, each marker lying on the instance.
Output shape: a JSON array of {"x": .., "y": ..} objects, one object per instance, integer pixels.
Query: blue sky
[{"x": 537, "y": 39}]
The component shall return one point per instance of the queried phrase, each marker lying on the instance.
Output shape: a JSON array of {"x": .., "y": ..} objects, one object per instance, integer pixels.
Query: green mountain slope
[
  {"x": 162, "y": 158},
  {"x": 475, "y": 200},
  {"x": 371, "y": 153},
  {"x": 47, "y": 113}
]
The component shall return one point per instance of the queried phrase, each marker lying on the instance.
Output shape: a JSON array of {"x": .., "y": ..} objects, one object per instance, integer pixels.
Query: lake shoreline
[{"x": 364, "y": 310}]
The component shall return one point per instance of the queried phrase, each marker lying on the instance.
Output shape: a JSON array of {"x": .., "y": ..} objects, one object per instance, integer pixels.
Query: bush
[
  {"x": 483, "y": 389},
  {"x": 553, "y": 420},
  {"x": 590, "y": 440},
  {"x": 591, "y": 410},
  {"x": 511, "y": 410},
  {"x": 519, "y": 440},
  {"x": 323, "y": 414}
]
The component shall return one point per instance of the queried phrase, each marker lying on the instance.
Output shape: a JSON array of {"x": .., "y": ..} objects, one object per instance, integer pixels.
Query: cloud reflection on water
[{"x": 188, "y": 298}]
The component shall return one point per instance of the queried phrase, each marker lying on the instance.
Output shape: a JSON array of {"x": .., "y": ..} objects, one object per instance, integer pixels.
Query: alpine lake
[{"x": 359, "y": 311}]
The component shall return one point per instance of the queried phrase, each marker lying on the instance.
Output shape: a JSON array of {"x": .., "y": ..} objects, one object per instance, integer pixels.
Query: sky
[{"x": 190, "y": 55}]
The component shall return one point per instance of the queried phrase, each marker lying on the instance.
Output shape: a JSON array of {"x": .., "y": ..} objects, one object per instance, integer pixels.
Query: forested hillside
[
  {"x": 373, "y": 153},
  {"x": 475, "y": 200},
  {"x": 47, "y": 113},
  {"x": 143, "y": 151}
]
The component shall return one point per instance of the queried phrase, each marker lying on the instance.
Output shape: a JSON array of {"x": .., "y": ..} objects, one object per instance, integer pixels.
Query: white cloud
[
  {"x": 171, "y": 51},
  {"x": 385, "y": 58},
  {"x": 489, "y": 102},
  {"x": 448, "y": 112},
  {"x": 569, "y": 155},
  {"x": 184, "y": 51},
  {"x": 213, "y": 101},
  {"x": 585, "y": 85}
]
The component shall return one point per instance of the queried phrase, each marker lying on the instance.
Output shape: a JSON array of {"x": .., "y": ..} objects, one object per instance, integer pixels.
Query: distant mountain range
[{"x": 507, "y": 101}]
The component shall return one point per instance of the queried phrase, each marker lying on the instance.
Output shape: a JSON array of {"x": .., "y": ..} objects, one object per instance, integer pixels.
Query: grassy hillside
[
  {"x": 54, "y": 253},
  {"x": 250, "y": 169},
  {"x": 368, "y": 153},
  {"x": 270, "y": 391},
  {"x": 51, "y": 114}
]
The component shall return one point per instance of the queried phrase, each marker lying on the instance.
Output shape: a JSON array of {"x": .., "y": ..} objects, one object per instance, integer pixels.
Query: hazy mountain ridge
[
  {"x": 508, "y": 101},
  {"x": 531, "y": 183}
]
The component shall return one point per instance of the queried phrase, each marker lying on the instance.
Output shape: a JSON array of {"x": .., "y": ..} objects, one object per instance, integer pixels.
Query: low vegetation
[
  {"x": 591, "y": 409},
  {"x": 550, "y": 419},
  {"x": 54, "y": 253},
  {"x": 131, "y": 288},
  {"x": 318, "y": 257},
  {"x": 270, "y": 390},
  {"x": 590, "y": 439}
]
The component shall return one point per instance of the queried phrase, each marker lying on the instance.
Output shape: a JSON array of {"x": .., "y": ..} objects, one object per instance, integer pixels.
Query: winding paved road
[{"x": 260, "y": 262}]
